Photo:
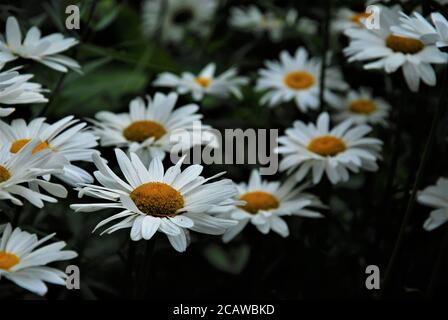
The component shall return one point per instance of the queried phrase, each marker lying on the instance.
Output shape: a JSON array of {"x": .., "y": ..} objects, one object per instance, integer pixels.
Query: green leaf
[
  {"x": 99, "y": 90},
  {"x": 231, "y": 260}
]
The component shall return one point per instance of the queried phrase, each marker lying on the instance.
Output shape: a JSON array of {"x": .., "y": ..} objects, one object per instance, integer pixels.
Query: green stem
[
  {"x": 326, "y": 45},
  {"x": 145, "y": 267},
  {"x": 391, "y": 268}
]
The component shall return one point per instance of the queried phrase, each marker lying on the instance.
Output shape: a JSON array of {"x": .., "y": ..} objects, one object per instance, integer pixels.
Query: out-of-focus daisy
[
  {"x": 267, "y": 202},
  {"x": 316, "y": 149},
  {"x": 26, "y": 166},
  {"x": 390, "y": 52},
  {"x": 347, "y": 18},
  {"x": 23, "y": 260},
  {"x": 148, "y": 130},
  {"x": 205, "y": 83},
  {"x": 15, "y": 89},
  {"x": 45, "y": 50},
  {"x": 441, "y": 28},
  {"x": 152, "y": 199},
  {"x": 252, "y": 19},
  {"x": 361, "y": 107},
  {"x": 297, "y": 78},
  {"x": 418, "y": 27},
  {"x": 176, "y": 18},
  {"x": 67, "y": 138},
  {"x": 436, "y": 197}
]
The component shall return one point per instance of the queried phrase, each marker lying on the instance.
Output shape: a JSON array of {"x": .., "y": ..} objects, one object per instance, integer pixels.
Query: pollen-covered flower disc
[
  {"x": 317, "y": 149},
  {"x": 266, "y": 203},
  {"x": 397, "y": 44},
  {"x": 204, "y": 83},
  {"x": 152, "y": 199},
  {"x": 361, "y": 106},
  {"x": 149, "y": 127},
  {"x": 23, "y": 260},
  {"x": 21, "y": 174},
  {"x": 297, "y": 78},
  {"x": 67, "y": 138}
]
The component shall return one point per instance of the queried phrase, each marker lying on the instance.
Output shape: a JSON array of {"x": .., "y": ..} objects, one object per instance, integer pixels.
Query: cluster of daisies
[{"x": 39, "y": 159}]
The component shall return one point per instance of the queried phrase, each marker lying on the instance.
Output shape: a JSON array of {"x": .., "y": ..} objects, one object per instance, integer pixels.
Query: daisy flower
[
  {"x": 391, "y": 52},
  {"x": 417, "y": 26},
  {"x": 23, "y": 260},
  {"x": 26, "y": 166},
  {"x": 361, "y": 107},
  {"x": 347, "y": 18},
  {"x": 204, "y": 83},
  {"x": 45, "y": 50},
  {"x": 15, "y": 89},
  {"x": 316, "y": 149},
  {"x": 436, "y": 197},
  {"x": 148, "y": 130},
  {"x": 297, "y": 78},
  {"x": 152, "y": 199},
  {"x": 252, "y": 19},
  {"x": 177, "y": 18},
  {"x": 441, "y": 30},
  {"x": 267, "y": 202},
  {"x": 66, "y": 138}
]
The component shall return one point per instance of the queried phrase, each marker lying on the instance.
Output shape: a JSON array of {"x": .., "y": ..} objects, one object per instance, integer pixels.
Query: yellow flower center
[
  {"x": 203, "y": 81},
  {"x": 157, "y": 199},
  {"x": 299, "y": 80},
  {"x": 8, "y": 260},
  {"x": 363, "y": 106},
  {"x": 139, "y": 131},
  {"x": 19, "y": 144},
  {"x": 327, "y": 146},
  {"x": 358, "y": 17},
  {"x": 4, "y": 174},
  {"x": 404, "y": 44},
  {"x": 259, "y": 200}
]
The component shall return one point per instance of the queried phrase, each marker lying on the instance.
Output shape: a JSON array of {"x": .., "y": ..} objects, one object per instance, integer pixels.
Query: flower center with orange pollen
[
  {"x": 4, "y": 174},
  {"x": 258, "y": 200},
  {"x": 299, "y": 80},
  {"x": 404, "y": 44},
  {"x": 327, "y": 146},
  {"x": 363, "y": 106},
  {"x": 139, "y": 131},
  {"x": 358, "y": 17},
  {"x": 203, "y": 81},
  {"x": 157, "y": 199},
  {"x": 8, "y": 260},
  {"x": 19, "y": 144}
]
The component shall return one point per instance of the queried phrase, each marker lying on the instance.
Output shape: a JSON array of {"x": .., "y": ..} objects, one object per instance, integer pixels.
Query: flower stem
[
  {"x": 391, "y": 268},
  {"x": 145, "y": 267},
  {"x": 326, "y": 45},
  {"x": 139, "y": 263},
  {"x": 396, "y": 142}
]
